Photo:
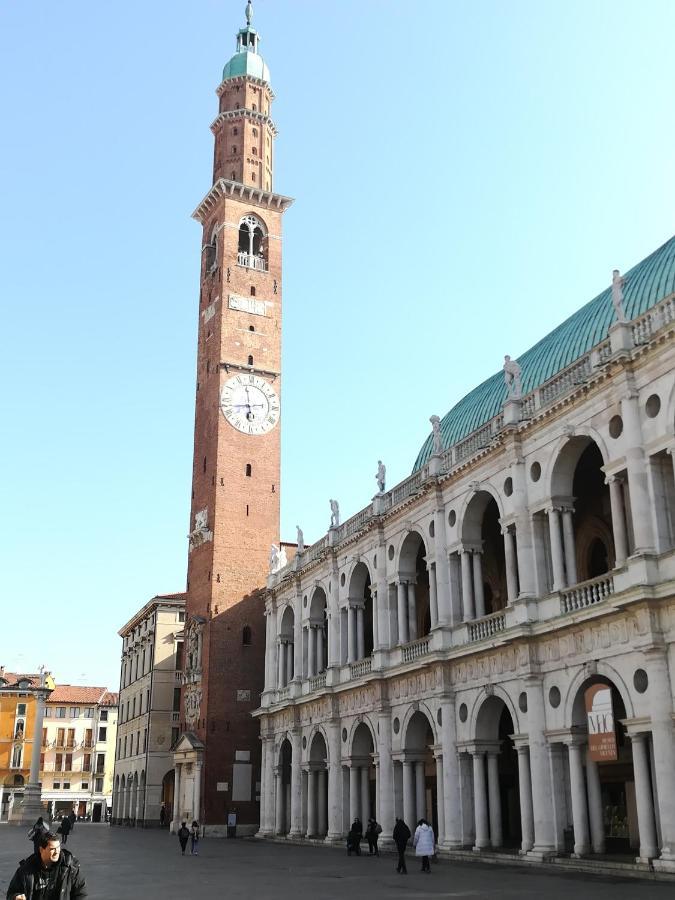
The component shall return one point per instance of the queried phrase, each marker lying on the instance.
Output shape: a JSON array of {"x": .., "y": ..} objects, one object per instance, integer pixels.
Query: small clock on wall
[{"x": 249, "y": 404}]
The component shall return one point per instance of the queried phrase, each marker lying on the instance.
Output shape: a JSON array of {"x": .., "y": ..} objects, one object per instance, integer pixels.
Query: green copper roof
[
  {"x": 246, "y": 62},
  {"x": 647, "y": 283}
]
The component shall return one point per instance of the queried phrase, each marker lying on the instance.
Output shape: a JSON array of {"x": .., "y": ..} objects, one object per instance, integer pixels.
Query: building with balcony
[
  {"x": 17, "y": 724},
  {"x": 490, "y": 645},
  {"x": 78, "y": 751},
  {"x": 149, "y": 711}
]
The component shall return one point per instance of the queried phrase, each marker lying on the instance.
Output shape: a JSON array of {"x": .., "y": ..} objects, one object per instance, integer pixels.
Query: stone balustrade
[
  {"x": 585, "y": 594},
  {"x": 415, "y": 649},
  {"x": 317, "y": 682},
  {"x": 487, "y": 626},
  {"x": 362, "y": 667}
]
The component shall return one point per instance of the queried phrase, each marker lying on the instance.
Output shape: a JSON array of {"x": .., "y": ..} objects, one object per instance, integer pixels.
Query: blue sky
[{"x": 465, "y": 175}]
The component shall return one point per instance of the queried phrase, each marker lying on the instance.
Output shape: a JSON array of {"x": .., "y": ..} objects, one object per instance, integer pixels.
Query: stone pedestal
[
  {"x": 513, "y": 411},
  {"x": 435, "y": 465},
  {"x": 621, "y": 337},
  {"x": 27, "y": 808}
]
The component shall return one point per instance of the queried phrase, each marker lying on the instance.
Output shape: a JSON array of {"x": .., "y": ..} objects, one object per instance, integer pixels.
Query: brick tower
[{"x": 236, "y": 464}]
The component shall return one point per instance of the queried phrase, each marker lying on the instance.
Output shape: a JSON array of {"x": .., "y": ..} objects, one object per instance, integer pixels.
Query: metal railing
[
  {"x": 415, "y": 649},
  {"x": 487, "y": 626},
  {"x": 586, "y": 594}
]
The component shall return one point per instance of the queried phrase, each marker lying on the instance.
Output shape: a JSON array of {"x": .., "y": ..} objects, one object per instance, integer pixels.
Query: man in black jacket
[
  {"x": 401, "y": 837},
  {"x": 50, "y": 874}
]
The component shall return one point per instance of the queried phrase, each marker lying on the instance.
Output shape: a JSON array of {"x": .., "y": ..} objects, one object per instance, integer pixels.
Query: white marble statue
[
  {"x": 200, "y": 533},
  {"x": 274, "y": 559},
  {"x": 334, "y": 514},
  {"x": 513, "y": 378},
  {"x": 436, "y": 435},
  {"x": 381, "y": 476},
  {"x": 618, "y": 282},
  {"x": 283, "y": 559},
  {"x": 300, "y": 539}
]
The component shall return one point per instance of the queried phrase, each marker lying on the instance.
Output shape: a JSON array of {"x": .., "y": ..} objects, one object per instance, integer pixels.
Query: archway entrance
[
  {"x": 420, "y": 799},
  {"x": 168, "y": 783},
  {"x": 362, "y": 793},
  {"x": 498, "y": 819},
  {"x": 414, "y": 613},
  {"x": 283, "y": 789},
  {"x": 315, "y": 788}
]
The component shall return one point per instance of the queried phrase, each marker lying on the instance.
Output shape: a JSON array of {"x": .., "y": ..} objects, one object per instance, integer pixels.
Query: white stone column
[
  {"x": 637, "y": 473},
  {"x": 494, "y": 800},
  {"x": 478, "y": 590},
  {"x": 442, "y": 573},
  {"x": 296, "y": 783},
  {"x": 196, "y": 792},
  {"x": 375, "y": 602},
  {"x": 281, "y": 657},
  {"x": 420, "y": 792},
  {"x": 269, "y": 644},
  {"x": 559, "y": 582},
  {"x": 451, "y": 799},
  {"x": 582, "y": 844},
  {"x": 385, "y": 775},
  {"x": 661, "y": 709},
  {"x": 311, "y": 802},
  {"x": 360, "y": 634},
  {"x": 542, "y": 797},
  {"x": 296, "y": 648},
  {"x": 311, "y": 651},
  {"x": 412, "y": 611},
  {"x": 175, "y": 825},
  {"x": 322, "y": 812},
  {"x": 433, "y": 596},
  {"x": 351, "y": 634},
  {"x": 289, "y": 662},
  {"x": 354, "y": 792},
  {"x": 480, "y": 802},
  {"x": 570, "y": 547},
  {"x": 595, "y": 816},
  {"x": 511, "y": 564},
  {"x": 643, "y": 797},
  {"x": 409, "y": 794},
  {"x": 279, "y": 818},
  {"x": 618, "y": 519},
  {"x": 335, "y": 826},
  {"x": 467, "y": 586},
  {"x": 320, "y": 663},
  {"x": 266, "y": 787},
  {"x": 439, "y": 798},
  {"x": 402, "y": 605},
  {"x": 525, "y": 795},
  {"x": 365, "y": 795}
]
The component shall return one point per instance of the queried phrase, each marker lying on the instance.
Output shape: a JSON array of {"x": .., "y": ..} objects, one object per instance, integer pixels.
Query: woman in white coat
[{"x": 423, "y": 842}]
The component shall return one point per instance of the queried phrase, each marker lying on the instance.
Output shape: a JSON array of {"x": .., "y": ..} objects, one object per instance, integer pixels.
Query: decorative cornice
[
  {"x": 254, "y": 116},
  {"x": 240, "y": 79},
  {"x": 236, "y": 190}
]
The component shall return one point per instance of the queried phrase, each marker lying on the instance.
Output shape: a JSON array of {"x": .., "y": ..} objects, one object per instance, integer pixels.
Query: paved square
[{"x": 121, "y": 863}]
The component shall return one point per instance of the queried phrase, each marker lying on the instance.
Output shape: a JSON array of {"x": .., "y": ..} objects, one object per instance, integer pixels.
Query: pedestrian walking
[
  {"x": 401, "y": 837},
  {"x": 423, "y": 843},
  {"x": 183, "y": 835},
  {"x": 194, "y": 837},
  {"x": 50, "y": 874},
  {"x": 162, "y": 816},
  {"x": 64, "y": 829},
  {"x": 373, "y": 831},
  {"x": 354, "y": 837},
  {"x": 36, "y": 832},
  {"x": 72, "y": 815}
]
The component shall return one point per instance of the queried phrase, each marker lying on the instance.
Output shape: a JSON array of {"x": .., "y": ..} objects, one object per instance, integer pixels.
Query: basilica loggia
[{"x": 489, "y": 644}]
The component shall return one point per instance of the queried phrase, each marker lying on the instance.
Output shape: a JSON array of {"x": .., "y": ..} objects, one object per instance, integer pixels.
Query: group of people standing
[{"x": 422, "y": 840}]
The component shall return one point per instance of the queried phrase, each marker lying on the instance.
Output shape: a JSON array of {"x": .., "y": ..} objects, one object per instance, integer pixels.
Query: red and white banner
[{"x": 600, "y": 719}]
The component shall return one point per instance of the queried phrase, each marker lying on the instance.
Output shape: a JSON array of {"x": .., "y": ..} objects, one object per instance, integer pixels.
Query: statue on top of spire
[{"x": 249, "y": 13}]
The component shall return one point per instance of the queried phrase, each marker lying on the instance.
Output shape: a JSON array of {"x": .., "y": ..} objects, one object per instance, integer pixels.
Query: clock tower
[{"x": 236, "y": 464}]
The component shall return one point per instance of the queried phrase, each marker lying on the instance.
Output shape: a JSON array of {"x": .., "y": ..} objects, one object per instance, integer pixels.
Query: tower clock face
[{"x": 249, "y": 404}]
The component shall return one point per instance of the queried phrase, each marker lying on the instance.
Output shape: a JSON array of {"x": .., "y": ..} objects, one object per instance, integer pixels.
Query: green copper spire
[{"x": 247, "y": 60}]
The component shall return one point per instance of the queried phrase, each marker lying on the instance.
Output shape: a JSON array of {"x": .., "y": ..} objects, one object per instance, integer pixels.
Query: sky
[{"x": 465, "y": 176}]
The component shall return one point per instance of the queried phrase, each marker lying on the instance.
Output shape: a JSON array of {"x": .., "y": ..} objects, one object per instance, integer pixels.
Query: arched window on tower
[
  {"x": 252, "y": 244},
  {"x": 211, "y": 253}
]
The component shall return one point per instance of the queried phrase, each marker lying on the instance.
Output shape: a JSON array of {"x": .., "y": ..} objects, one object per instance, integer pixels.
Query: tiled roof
[
  {"x": 74, "y": 693},
  {"x": 647, "y": 283},
  {"x": 109, "y": 699},
  {"x": 179, "y": 596},
  {"x": 13, "y": 677}
]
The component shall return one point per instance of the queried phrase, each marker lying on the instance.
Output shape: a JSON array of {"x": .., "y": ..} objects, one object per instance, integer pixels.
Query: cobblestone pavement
[{"x": 121, "y": 863}]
